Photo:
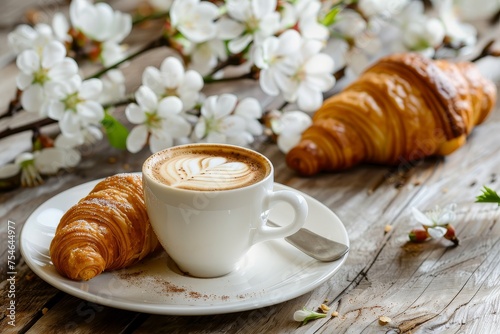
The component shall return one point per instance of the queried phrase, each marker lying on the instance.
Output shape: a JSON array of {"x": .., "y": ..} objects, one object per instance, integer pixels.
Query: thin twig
[
  {"x": 486, "y": 51},
  {"x": 154, "y": 16},
  {"x": 152, "y": 45},
  {"x": 27, "y": 127},
  {"x": 232, "y": 60},
  {"x": 248, "y": 75}
]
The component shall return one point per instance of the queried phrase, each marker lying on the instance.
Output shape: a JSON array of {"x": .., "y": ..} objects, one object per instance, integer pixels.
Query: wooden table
[{"x": 423, "y": 288}]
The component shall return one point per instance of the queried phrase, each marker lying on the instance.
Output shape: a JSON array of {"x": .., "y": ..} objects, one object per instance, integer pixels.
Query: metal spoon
[{"x": 314, "y": 245}]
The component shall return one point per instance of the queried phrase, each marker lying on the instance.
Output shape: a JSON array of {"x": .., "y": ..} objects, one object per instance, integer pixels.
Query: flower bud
[
  {"x": 450, "y": 234},
  {"x": 418, "y": 235}
]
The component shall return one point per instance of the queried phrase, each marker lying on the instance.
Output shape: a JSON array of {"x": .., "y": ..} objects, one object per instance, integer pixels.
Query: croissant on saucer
[
  {"x": 108, "y": 229},
  {"x": 403, "y": 108}
]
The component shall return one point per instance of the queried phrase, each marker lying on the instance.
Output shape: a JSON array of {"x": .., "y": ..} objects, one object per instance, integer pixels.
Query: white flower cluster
[
  {"x": 163, "y": 112},
  {"x": 293, "y": 47},
  {"x": 52, "y": 86}
]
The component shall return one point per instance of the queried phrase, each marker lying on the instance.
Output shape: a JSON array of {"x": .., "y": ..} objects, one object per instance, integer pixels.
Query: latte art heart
[{"x": 207, "y": 172}]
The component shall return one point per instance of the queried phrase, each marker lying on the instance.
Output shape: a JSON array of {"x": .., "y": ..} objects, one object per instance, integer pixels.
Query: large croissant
[
  {"x": 403, "y": 108},
  {"x": 108, "y": 229}
]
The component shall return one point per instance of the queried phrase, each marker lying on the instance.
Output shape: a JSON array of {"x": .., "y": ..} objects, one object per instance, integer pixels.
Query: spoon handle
[{"x": 315, "y": 245}]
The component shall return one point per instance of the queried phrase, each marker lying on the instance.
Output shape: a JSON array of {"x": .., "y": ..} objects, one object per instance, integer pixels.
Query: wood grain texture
[{"x": 424, "y": 288}]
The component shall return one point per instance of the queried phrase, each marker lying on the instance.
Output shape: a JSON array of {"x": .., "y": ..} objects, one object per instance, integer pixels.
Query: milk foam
[{"x": 207, "y": 171}]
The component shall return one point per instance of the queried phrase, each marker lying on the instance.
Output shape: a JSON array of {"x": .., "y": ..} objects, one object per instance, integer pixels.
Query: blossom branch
[
  {"x": 28, "y": 127},
  {"x": 154, "y": 16},
  {"x": 486, "y": 51},
  {"x": 14, "y": 106},
  {"x": 152, "y": 45}
]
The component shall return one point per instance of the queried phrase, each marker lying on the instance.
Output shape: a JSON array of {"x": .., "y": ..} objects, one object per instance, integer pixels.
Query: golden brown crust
[
  {"x": 108, "y": 229},
  {"x": 403, "y": 108}
]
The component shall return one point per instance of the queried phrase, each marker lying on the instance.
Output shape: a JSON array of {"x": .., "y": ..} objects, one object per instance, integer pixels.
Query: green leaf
[
  {"x": 330, "y": 17},
  {"x": 488, "y": 196},
  {"x": 115, "y": 131}
]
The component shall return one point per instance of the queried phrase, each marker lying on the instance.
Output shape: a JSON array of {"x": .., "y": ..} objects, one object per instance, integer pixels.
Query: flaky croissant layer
[
  {"x": 108, "y": 229},
  {"x": 403, "y": 108}
]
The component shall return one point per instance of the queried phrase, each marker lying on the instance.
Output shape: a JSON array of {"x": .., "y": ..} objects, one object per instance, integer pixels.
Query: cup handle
[{"x": 299, "y": 205}]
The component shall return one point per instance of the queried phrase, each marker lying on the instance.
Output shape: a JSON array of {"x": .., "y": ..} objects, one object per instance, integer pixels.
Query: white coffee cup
[{"x": 206, "y": 232}]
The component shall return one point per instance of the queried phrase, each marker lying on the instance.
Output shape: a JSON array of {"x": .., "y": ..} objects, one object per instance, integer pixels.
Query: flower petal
[
  {"x": 266, "y": 81},
  {"x": 49, "y": 160},
  {"x": 135, "y": 114},
  {"x": 146, "y": 98},
  {"x": 137, "y": 138},
  {"x": 32, "y": 98},
  {"x": 228, "y": 29},
  {"x": 309, "y": 99},
  {"x": 261, "y": 8},
  {"x": 254, "y": 127},
  {"x": 289, "y": 42},
  {"x": 90, "y": 89},
  {"x": 54, "y": 109},
  {"x": 151, "y": 78},
  {"x": 240, "y": 43},
  {"x": 232, "y": 125},
  {"x": 9, "y": 170},
  {"x": 200, "y": 128},
  {"x": 192, "y": 82},
  {"x": 170, "y": 105},
  {"x": 436, "y": 232},
  {"x": 287, "y": 141},
  {"x": 160, "y": 141},
  {"x": 249, "y": 108},
  {"x": 176, "y": 126},
  {"x": 90, "y": 111},
  {"x": 172, "y": 72},
  {"x": 70, "y": 124},
  {"x": 23, "y": 80},
  {"x": 295, "y": 122},
  {"x": 53, "y": 53},
  {"x": 225, "y": 105},
  {"x": 64, "y": 69},
  {"x": 421, "y": 218},
  {"x": 28, "y": 61}
]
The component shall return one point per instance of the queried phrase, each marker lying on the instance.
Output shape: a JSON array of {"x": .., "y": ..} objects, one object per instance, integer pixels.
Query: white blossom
[
  {"x": 160, "y": 121},
  {"x": 289, "y": 128},
  {"x": 35, "y": 38},
  {"x": 307, "y": 13},
  {"x": 357, "y": 45},
  {"x": 98, "y": 22},
  {"x": 38, "y": 70},
  {"x": 256, "y": 20},
  {"x": 275, "y": 57},
  {"x": 251, "y": 111},
  {"x": 45, "y": 161},
  {"x": 436, "y": 219},
  {"x": 311, "y": 76},
  {"x": 30, "y": 177},
  {"x": 418, "y": 31},
  {"x": 172, "y": 80},
  {"x": 460, "y": 34},
  {"x": 74, "y": 104},
  {"x": 219, "y": 122},
  {"x": 194, "y": 19},
  {"x": 205, "y": 56}
]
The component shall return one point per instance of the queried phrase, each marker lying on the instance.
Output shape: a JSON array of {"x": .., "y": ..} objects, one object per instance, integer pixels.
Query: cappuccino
[{"x": 207, "y": 167}]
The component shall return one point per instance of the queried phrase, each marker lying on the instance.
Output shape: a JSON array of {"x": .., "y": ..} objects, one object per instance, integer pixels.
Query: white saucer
[{"x": 270, "y": 273}]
